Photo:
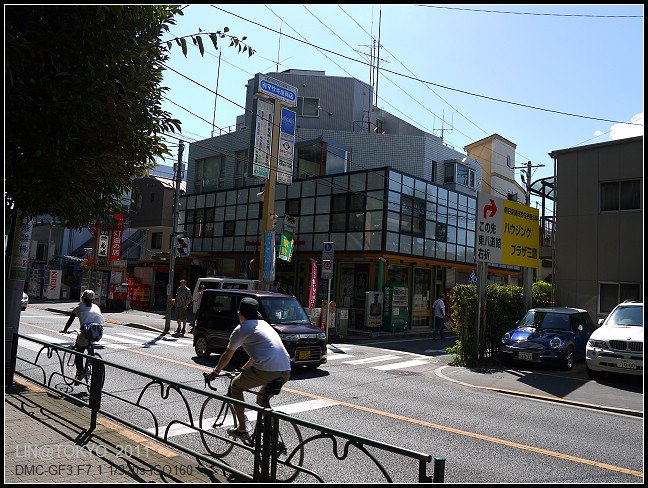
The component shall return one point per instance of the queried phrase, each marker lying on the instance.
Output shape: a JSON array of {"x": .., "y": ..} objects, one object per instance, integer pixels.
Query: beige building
[{"x": 599, "y": 225}]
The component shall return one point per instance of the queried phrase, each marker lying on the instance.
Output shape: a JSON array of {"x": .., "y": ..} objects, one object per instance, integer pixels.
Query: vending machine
[{"x": 396, "y": 309}]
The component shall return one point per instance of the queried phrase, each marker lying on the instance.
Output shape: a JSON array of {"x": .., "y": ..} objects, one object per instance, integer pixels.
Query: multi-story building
[
  {"x": 398, "y": 204},
  {"x": 599, "y": 220}
]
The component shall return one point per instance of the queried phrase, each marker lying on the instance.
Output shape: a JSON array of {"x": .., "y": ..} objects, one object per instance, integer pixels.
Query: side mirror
[
  {"x": 580, "y": 327},
  {"x": 600, "y": 321}
]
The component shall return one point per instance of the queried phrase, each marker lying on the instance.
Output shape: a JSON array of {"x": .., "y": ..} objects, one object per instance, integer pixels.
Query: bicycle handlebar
[{"x": 211, "y": 376}]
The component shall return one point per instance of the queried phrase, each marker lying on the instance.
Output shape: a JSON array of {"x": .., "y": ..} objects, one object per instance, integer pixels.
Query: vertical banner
[
  {"x": 262, "y": 139},
  {"x": 102, "y": 249},
  {"x": 116, "y": 241},
  {"x": 286, "y": 146},
  {"x": 53, "y": 286},
  {"x": 269, "y": 256},
  {"x": 312, "y": 292},
  {"x": 287, "y": 238},
  {"x": 20, "y": 255}
]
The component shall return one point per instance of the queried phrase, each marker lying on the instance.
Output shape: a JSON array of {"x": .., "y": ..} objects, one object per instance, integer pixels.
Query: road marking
[
  {"x": 305, "y": 406},
  {"x": 374, "y": 359},
  {"x": 339, "y": 356},
  {"x": 150, "y": 342},
  {"x": 403, "y": 364}
]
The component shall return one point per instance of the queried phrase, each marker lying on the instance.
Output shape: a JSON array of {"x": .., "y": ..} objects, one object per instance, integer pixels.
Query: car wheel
[
  {"x": 201, "y": 348},
  {"x": 568, "y": 360},
  {"x": 594, "y": 375}
]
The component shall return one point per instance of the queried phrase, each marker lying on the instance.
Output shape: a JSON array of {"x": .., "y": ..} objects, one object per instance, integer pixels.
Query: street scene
[{"x": 243, "y": 255}]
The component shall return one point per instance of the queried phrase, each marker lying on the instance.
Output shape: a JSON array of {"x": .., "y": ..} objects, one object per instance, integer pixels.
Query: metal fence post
[
  {"x": 439, "y": 469},
  {"x": 96, "y": 385}
]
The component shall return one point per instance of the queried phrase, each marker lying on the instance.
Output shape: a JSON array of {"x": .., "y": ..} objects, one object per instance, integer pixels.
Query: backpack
[{"x": 94, "y": 331}]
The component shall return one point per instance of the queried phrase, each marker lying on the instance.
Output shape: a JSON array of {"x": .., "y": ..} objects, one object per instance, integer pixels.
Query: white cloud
[
  {"x": 623, "y": 131},
  {"x": 598, "y": 133}
]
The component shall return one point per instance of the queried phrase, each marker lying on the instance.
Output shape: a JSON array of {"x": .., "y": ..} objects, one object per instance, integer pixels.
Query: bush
[{"x": 504, "y": 307}]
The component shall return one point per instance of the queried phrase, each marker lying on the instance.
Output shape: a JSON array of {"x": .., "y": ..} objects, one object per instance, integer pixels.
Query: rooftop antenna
[
  {"x": 216, "y": 95},
  {"x": 279, "y": 48}
]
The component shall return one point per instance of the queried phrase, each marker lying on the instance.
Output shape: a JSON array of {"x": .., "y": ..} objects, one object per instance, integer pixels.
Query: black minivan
[{"x": 217, "y": 317}]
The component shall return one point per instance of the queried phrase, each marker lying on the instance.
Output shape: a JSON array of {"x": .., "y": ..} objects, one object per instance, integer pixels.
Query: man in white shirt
[
  {"x": 439, "y": 317},
  {"x": 269, "y": 359}
]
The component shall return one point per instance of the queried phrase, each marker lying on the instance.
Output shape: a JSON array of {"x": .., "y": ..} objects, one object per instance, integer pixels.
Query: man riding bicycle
[
  {"x": 269, "y": 359},
  {"x": 88, "y": 312}
]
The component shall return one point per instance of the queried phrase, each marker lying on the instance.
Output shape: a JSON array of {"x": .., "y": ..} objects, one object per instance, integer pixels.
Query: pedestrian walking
[
  {"x": 183, "y": 301},
  {"x": 439, "y": 317},
  {"x": 195, "y": 308}
]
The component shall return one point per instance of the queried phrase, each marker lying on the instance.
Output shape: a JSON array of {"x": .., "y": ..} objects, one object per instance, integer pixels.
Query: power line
[
  {"x": 559, "y": 112},
  {"x": 534, "y": 13}
]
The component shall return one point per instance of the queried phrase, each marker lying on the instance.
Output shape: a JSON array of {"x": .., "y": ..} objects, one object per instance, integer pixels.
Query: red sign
[
  {"x": 312, "y": 295},
  {"x": 116, "y": 241}
]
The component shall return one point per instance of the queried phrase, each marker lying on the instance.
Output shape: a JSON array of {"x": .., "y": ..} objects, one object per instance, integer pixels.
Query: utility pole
[
  {"x": 176, "y": 198},
  {"x": 527, "y": 273}
]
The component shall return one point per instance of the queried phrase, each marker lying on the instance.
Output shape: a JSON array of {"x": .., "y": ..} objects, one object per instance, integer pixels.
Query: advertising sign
[
  {"x": 269, "y": 256},
  {"x": 53, "y": 286},
  {"x": 263, "y": 121},
  {"x": 20, "y": 255},
  {"x": 312, "y": 289},
  {"x": 116, "y": 241},
  {"x": 104, "y": 237},
  {"x": 373, "y": 309},
  {"x": 507, "y": 232},
  {"x": 287, "y": 238},
  {"x": 286, "y": 146},
  {"x": 285, "y": 93}
]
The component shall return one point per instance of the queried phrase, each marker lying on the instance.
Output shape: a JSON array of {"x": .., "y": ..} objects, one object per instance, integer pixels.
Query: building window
[
  {"x": 459, "y": 174},
  {"x": 229, "y": 228},
  {"x": 348, "y": 212},
  {"x": 308, "y": 107},
  {"x": 209, "y": 174},
  {"x": 611, "y": 294},
  {"x": 292, "y": 207},
  {"x": 412, "y": 216},
  {"x": 240, "y": 168},
  {"x": 156, "y": 240},
  {"x": 620, "y": 195}
]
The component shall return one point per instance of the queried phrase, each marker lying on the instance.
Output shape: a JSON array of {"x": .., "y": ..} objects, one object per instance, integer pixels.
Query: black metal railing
[{"x": 274, "y": 456}]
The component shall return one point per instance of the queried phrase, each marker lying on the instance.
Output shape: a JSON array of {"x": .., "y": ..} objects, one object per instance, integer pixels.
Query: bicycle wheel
[
  {"x": 289, "y": 450},
  {"x": 68, "y": 368},
  {"x": 216, "y": 416}
]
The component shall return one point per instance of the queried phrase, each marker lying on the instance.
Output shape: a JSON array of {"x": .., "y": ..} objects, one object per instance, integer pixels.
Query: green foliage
[
  {"x": 83, "y": 104},
  {"x": 504, "y": 307}
]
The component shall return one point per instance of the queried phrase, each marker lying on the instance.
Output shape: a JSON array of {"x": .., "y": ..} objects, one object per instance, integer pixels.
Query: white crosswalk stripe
[
  {"x": 330, "y": 356},
  {"x": 154, "y": 340},
  {"x": 289, "y": 409},
  {"x": 373, "y": 359},
  {"x": 404, "y": 364}
]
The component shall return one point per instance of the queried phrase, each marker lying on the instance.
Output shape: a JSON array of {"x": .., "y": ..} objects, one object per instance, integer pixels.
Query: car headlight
[
  {"x": 506, "y": 338},
  {"x": 556, "y": 343},
  {"x": 595, "y": 343},
  {"x": 321, "y": 335},
  {"x": 290, "y": 337}
]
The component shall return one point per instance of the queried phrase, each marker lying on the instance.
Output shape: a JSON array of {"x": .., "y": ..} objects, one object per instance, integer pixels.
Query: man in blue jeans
[{"x": 439, "y": 317}]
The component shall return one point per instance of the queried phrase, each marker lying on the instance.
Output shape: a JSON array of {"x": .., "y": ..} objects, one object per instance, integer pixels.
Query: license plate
[
  {"x": 526, "y": 356},
  {"x": 304, "y": 355},
  {"x": 626, "y": 363}
]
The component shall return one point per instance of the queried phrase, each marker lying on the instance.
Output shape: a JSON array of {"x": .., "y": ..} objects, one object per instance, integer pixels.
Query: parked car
[
  {"x": 217, "y": 282},
  {"x": 217, "y": 317},
  {"x": 24, "y": 301},
  {"x": 555, "y": 335},
  {"x": 617, "y": 345}
]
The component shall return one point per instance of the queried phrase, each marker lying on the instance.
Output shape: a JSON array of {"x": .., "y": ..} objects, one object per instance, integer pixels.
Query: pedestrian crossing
[
  {"x": 391, "y": 361},
  {"x": 113, "y": 340}
]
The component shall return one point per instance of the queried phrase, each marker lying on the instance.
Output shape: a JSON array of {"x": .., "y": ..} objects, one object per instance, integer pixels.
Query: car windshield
[
  {"x": 545, "y": 320},
  {"x": 626, "y": 316},
  {"x": 284, "y": 310}
]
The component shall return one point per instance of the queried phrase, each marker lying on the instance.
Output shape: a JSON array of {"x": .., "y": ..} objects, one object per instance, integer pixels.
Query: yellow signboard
[{"x": 520, "y": 235}]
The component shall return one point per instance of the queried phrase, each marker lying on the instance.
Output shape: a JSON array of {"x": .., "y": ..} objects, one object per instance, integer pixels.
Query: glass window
[
  {"x": 372, "y": 241},
  {"x": 391, "y": 242},
  {"x": 394, "y": 200},
  {"x": 324, "y": 186},
  {"x": 354, "y": 241},
  {"x": 620, "y": 195},
  {"x": 630, "y": 195},
  {"x": 357, "y": 182},
  {"x": 441, "y": 232},
  {"x": 420, "y": 189},
  {"x": 321, "y": 224},
  {"x": 375, "y": 200},
  {"x": 394, "y": 181},
  {"x": 430, "y": 247},
  {"x": 156, "y": 240},
  {"x": 200, "y": 201},
  {"x": 356, "y": 221},
  {"x": 375, "y": 180},
  {"x": 339, "y": 203},
  {"x": 307, "y": 206},
  {"x": 408, "y": 185},
  {"x": 611, "y": 294},
  {"x": 373, "y": 220},
  {"x": 241, "y": 212},
  {"x": 229, "y": 228},
  {"x": 418, "y": 246},
  {"x": 308, "y": 188},
  {"x": 308, "y": 107},
  {"x": 253, "y": 210},
  {"x": 338, "y": 222},
  {"x": 406, "y": 244},
  {"x": 323, "y": 205},
  {"x": 305, "y": 224},
  {"x": 449, "y": 173},
  {"x": 357, "y": 202},
  {"x": 393, "y": 221},
  {"x": 209, "y": 229}
]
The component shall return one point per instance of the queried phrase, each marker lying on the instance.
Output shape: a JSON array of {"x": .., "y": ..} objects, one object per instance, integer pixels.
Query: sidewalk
[{"x": 40, "y": 446}]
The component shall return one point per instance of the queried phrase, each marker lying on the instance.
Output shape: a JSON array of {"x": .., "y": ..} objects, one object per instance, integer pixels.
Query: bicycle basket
[{"x": 94, "y": 331}]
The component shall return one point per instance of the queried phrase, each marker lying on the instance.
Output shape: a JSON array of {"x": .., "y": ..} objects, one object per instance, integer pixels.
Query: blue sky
[{"x": 584, "y": 60}]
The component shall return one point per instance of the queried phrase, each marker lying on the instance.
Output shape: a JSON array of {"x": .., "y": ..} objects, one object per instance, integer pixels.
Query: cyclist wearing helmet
[{"x": 88, "y": 312}]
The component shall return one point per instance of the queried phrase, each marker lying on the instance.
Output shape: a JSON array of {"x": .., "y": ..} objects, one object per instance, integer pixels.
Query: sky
[{"x": 545, "y": 77}]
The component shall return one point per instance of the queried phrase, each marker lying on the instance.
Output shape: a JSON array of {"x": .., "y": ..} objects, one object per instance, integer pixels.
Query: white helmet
[{"x": 88, "y": 295}]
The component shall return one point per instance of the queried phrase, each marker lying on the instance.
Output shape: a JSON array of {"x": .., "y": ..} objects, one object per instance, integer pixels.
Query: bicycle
[
  {"x": 290, "y": 451},
  {"x": 69, "y": 364}
]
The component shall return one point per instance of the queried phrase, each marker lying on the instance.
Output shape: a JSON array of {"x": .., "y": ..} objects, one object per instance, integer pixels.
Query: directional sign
[
  {"x": 285, "y": 93},
  {"x": 327, "y": 251},
  {"x": 473, "y": 278},
  {"x": 262, "y": 139},
  {"x": 286, "y": 146},
  {"x": 507, "y": 232}
]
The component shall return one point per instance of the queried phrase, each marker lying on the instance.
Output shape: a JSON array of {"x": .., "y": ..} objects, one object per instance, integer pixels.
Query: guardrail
[{"x": 284, "y": 448}]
